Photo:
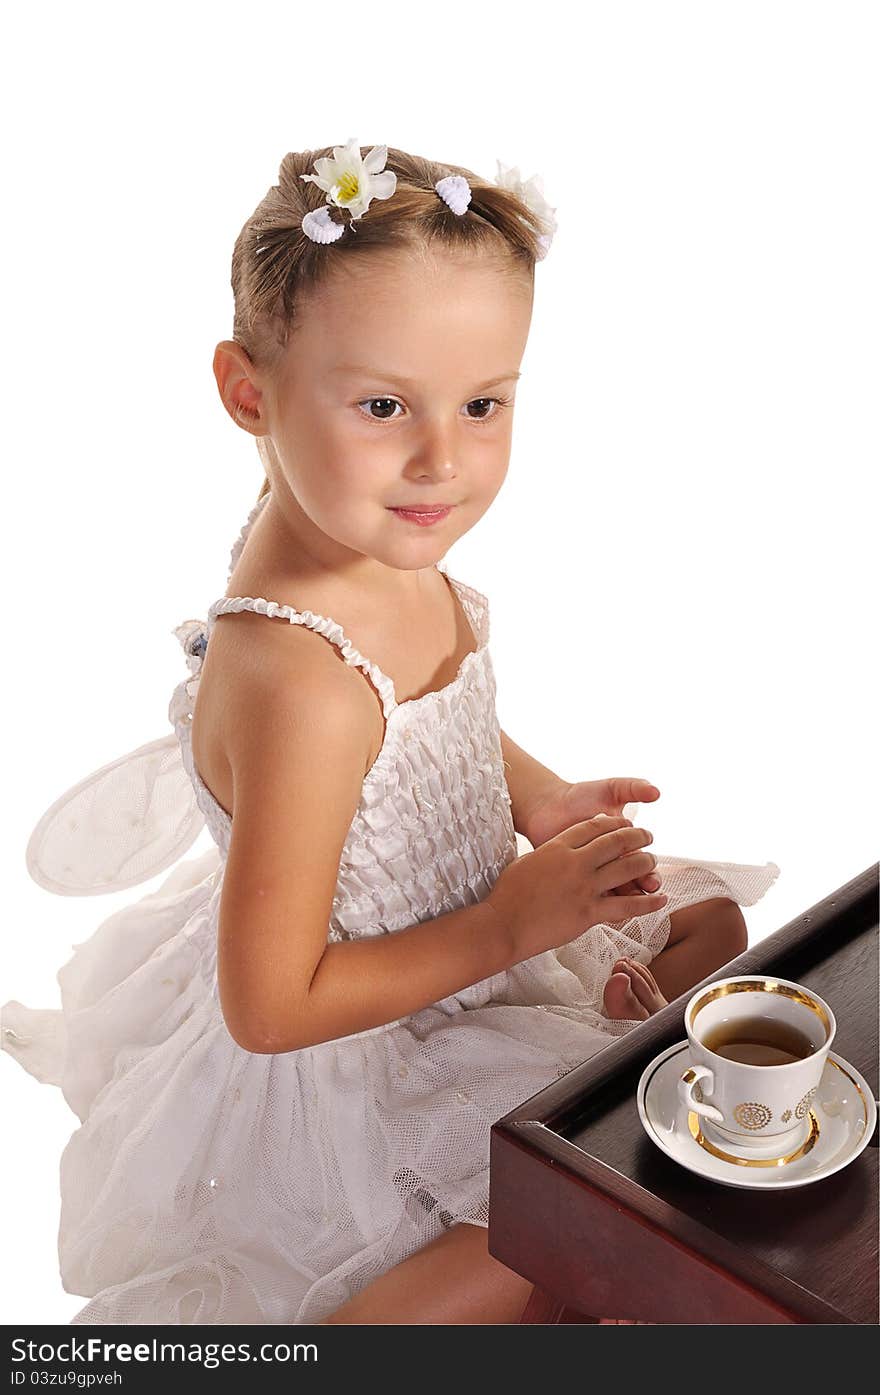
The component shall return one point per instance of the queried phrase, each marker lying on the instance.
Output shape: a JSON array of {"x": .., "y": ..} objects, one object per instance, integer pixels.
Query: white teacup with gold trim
[{"x": 758, "y": 1047}]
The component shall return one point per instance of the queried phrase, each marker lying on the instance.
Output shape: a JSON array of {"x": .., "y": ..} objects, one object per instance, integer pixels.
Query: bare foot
[{"x": 632, "y": 992}]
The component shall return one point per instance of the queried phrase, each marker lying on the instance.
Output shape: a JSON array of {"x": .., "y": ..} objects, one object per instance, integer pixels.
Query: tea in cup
[{"x": 758, "y": 1047}]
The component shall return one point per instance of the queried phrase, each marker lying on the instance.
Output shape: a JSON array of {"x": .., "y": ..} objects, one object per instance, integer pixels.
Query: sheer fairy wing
[
  {"x": 137, "y": 815},
  {"x": 119, "y": 826}
]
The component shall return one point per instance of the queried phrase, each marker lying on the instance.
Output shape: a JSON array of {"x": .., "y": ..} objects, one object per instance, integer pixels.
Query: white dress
[{"x": 207, "y": 1184}]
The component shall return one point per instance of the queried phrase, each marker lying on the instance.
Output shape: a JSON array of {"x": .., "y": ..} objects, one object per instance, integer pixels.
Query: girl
[{"x": 287, "y": 1060}]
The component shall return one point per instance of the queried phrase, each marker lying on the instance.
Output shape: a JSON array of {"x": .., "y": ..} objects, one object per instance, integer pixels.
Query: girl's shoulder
[{"x": 261, "y": 669}]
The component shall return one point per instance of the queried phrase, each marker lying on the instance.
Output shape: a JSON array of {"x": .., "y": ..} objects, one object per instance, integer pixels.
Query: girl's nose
[{"x": 434, "y": 454}]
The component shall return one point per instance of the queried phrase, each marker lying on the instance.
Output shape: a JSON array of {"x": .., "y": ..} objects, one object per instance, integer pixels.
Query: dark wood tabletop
[{"x": 604, "y": 1223}]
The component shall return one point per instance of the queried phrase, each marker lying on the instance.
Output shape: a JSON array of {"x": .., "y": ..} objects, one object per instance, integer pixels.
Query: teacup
[{"x": 758, "y": 1047}]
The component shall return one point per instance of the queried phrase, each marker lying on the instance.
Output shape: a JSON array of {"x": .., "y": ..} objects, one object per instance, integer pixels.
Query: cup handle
[{"x": 685, "y": 1090}]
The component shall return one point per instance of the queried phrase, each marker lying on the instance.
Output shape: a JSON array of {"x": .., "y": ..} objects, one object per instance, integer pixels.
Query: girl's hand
[
  {"x": 569, "y": 804},
  {"x": 550, "y": 896}
]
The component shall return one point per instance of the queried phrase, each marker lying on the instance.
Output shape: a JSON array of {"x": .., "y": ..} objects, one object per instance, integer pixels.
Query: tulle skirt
[{"x": 208, "y": 1184}]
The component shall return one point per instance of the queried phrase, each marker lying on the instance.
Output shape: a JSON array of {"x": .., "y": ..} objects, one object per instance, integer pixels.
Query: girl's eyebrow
[{"x": 407, "y": 382}]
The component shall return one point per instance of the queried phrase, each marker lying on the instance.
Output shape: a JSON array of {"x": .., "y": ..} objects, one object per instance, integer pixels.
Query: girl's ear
[{"x": 237, "y": 383}]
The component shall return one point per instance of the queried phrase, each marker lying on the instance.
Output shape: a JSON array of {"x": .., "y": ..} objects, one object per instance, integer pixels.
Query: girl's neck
[{"x": 286, "y": 556}]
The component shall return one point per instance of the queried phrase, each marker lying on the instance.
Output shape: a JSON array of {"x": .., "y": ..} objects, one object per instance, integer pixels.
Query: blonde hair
[{"x": 275, "y": 265}]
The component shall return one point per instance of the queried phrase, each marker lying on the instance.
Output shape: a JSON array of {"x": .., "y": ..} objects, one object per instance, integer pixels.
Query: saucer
[{"x": 841, "y": 1120}]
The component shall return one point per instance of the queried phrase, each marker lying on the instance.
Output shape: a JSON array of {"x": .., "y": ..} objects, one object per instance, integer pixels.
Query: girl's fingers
[
  {"x": 640, "y": 886},
  {"x": 631, "y": 906},
  {"x": 627, "y": 889}
]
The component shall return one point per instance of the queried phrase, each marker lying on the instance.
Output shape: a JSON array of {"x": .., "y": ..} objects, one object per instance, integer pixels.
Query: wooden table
[{"x": 604, "y": 1223}]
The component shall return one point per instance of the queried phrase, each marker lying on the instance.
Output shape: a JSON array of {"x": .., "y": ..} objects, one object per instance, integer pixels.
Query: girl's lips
[{"x": 423, "y": 516}]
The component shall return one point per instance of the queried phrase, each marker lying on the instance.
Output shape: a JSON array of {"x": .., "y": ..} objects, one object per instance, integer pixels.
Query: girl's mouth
[{"x": 424, "y": 516}]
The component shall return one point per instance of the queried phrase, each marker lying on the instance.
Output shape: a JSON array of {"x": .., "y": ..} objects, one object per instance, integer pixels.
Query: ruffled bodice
[{"x": 433, "y": 828}]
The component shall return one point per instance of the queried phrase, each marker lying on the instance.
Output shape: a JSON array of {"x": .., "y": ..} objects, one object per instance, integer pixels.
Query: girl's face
[{"x": 396, "y": 389}]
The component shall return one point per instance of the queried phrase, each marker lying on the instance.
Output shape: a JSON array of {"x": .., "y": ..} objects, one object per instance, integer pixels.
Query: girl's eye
[{"x": 387, "y": 405}]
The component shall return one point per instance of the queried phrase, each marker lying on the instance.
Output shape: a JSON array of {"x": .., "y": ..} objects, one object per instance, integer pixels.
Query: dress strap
[{"x": 328, "y": 628}]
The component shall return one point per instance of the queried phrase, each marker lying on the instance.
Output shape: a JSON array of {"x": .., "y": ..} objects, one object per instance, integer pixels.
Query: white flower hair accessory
[
  {"x": 349, "y": 181},
  {"x": 352, "y": 181},
  {"x": 531, "y": 191}
]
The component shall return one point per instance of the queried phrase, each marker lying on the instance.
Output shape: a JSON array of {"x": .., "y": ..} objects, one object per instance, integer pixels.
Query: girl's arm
[
  {"x": 297, "y": 735},
  {"x": 528, "y": 783},
  {"x": 362, "y": 983}
]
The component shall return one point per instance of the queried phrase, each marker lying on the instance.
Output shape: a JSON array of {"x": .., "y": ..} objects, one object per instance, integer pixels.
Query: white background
[{"x": 681, "y": 564}]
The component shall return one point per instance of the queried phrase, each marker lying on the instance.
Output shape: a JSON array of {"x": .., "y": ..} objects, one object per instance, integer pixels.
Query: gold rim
[
  {"x": 859, "y": 1090},
  {"x": 699, "y": 1137},
  {"x": 761, "y": 985}
]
